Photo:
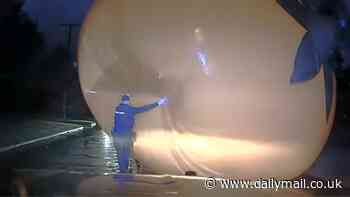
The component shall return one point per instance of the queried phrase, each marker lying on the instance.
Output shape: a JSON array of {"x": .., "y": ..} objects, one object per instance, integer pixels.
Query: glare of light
[
  {"x": 198, "y": 35},
  {"x": 91, "y": 92},
  {"x": 215, "y": 146},
  {"x": 208, "y": 153},
  {"x": 201, "y": 55},
  {"x": 238, "y": 148},
  {"x": 203, "y": 60},
  {"x": 106, "y": 140}
]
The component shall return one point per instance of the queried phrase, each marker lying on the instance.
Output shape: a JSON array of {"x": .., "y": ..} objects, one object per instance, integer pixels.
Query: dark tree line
[
  {"x": 34, "y": 78},
  {"x": 20, "y": 42}
]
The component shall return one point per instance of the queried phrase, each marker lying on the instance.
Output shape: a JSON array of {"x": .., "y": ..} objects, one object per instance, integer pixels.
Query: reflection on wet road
[
  {"x": 73, "y": 167},
  {"x": 91, "y": 153}
]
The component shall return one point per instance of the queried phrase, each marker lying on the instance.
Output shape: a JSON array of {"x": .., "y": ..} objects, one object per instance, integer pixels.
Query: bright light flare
[{"x": 189, "y": 151}]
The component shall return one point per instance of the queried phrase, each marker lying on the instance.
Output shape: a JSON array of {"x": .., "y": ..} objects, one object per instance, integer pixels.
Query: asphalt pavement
[{"x": 85, "y": 164}]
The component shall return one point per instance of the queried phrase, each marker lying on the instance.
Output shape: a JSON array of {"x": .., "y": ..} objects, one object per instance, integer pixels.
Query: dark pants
[{"x": 124, "y": 147}]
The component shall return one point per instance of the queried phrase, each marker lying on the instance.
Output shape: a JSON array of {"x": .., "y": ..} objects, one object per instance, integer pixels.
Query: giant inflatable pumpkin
[{"x": 225, "y": 66}]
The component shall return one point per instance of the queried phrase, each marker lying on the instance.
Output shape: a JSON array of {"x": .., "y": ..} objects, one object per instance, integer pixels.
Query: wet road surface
[
  {"x": 84, "y": 164},
  {"x": 90, "y": 153},
  {"x": 59, "y": 167}
]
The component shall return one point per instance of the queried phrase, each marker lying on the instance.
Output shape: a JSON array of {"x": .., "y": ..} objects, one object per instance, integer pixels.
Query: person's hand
[{"x": 163, "y": 101}]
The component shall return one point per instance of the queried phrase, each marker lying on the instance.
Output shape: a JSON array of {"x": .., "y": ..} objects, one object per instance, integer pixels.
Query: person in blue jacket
[{"x": 124, "y": 120}]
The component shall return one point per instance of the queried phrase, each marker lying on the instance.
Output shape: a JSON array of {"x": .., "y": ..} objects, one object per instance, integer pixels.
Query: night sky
[{"x": 49, "y": 14}]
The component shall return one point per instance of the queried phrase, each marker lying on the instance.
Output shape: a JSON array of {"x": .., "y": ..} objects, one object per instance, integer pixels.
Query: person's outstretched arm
[
  {"x": 163, "y": 101},
  {"x": 145, "y": 108}
]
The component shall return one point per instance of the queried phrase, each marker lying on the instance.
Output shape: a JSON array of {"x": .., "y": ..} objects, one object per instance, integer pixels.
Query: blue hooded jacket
[{"x": 124, "y": 118}]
